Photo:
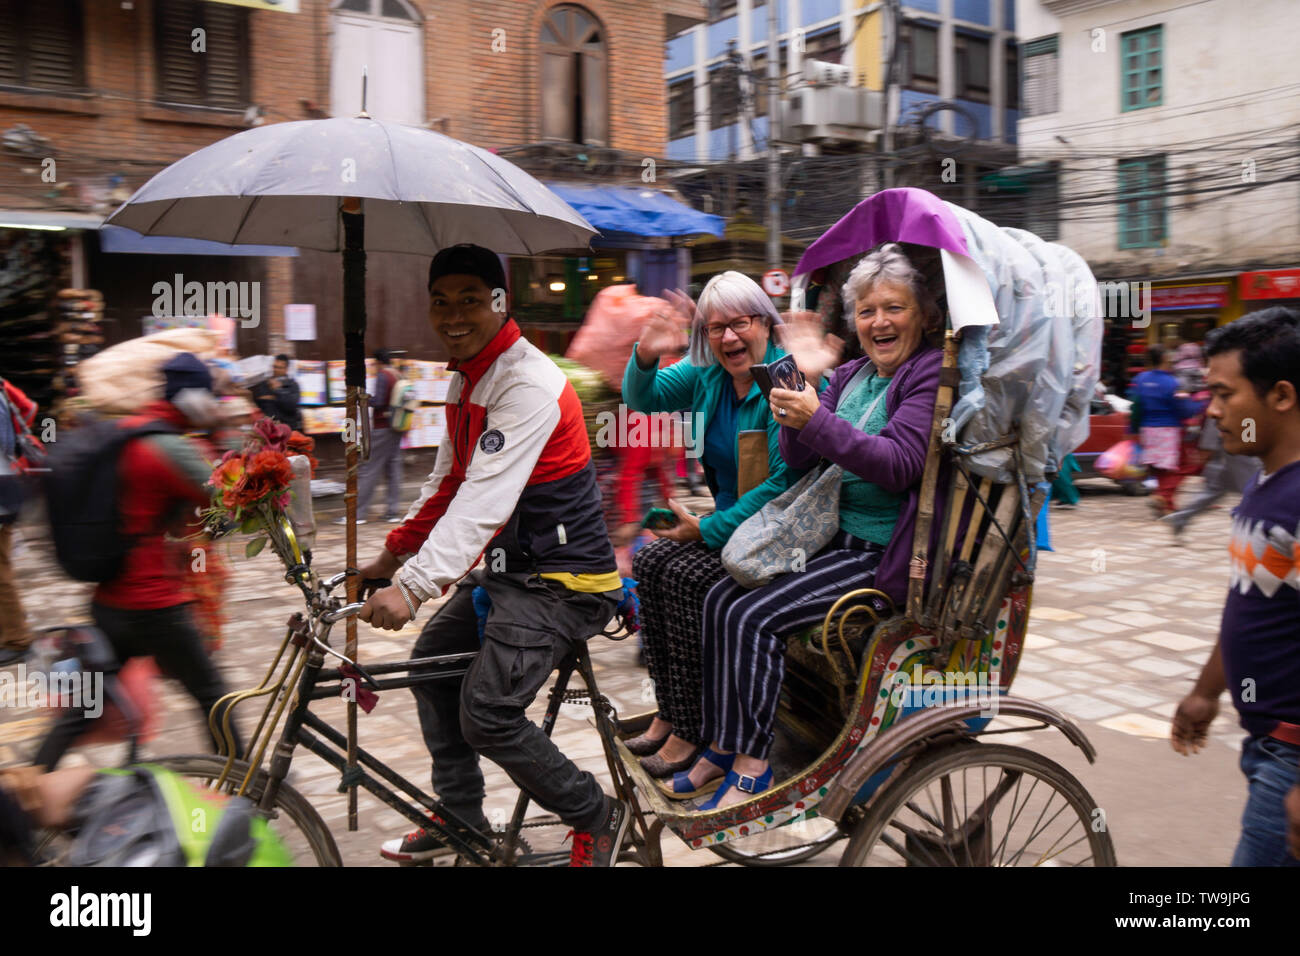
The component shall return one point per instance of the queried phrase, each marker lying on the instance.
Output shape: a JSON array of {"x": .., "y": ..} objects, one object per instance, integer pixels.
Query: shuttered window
[
  {"x": 1041, "y": 76},
  {"x": 573, "y": 73},
  {"x": 212, "y": 73},
  {"x": 1142, "y": 203},
  {"x": 681, "y": 108},
  {"x": 919, "y": 56},
  {"x": 1140, "y": 69},
  {"x": 41, "y": 45},
  {"x": 971, "y": 54}
]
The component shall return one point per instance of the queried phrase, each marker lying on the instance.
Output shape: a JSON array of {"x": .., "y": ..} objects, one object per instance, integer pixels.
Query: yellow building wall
[{"x": 869, "y": 51}]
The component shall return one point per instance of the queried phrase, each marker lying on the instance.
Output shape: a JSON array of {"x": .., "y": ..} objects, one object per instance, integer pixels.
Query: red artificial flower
[
  {"x": 272, "y": 433},
  {"x": 300, "y": 444}
]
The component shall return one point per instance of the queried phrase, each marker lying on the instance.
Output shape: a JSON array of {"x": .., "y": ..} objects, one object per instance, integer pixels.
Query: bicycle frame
[{"x": 299, "y": 665}]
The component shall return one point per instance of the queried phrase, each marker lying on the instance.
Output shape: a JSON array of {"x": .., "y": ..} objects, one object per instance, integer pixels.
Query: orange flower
[
  {"x": 228, "y": 473},
  {"x": 300, "y": 444}
]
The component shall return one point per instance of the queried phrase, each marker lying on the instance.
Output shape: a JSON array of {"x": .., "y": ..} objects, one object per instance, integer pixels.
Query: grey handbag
[{"x": 782, "y": 535}]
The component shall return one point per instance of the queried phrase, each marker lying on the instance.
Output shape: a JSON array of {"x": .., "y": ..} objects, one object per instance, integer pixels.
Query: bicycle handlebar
[{"x": 347, "y": 610}]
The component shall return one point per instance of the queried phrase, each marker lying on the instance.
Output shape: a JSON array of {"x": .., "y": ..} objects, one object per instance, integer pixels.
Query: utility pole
[
  {"x": 773, "y": 123},
  {"x": 891, "y": 70}
]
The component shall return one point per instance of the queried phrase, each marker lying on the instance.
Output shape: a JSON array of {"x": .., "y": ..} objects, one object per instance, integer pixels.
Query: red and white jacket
[{"x": 513, "y": 478}]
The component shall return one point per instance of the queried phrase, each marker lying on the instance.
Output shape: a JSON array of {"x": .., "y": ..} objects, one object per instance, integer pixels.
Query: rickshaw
[{"x": 886, "y": 731}]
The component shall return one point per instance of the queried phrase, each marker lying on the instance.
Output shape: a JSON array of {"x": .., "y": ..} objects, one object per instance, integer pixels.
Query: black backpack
[{"x": 81, "y": 496}]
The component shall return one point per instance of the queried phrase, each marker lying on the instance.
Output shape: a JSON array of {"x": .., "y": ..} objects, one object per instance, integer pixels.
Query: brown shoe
[
  {"x": 658, "y": 767},
  {"x": 645, "y": 745}
]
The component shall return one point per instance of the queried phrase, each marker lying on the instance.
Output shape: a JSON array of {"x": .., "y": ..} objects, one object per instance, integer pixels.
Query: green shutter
[
  {"x": 1142, "y": 212},
  {"x": 1141, "y": 73}
]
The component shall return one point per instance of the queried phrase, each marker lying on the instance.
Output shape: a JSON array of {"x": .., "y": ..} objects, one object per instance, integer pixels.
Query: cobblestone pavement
[{"x": 1121, "y": 622}]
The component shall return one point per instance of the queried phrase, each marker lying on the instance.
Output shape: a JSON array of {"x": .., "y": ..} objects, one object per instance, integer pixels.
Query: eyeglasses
[{"x": 738, "y": 325}]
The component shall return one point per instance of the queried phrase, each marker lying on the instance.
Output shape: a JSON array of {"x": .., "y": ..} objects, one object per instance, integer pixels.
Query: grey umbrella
[
  {"x": 352, "y": 185},
  {"x": 421, "y": 192}
]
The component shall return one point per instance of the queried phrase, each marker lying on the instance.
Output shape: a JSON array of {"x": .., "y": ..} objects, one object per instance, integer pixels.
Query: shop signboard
[
  {"x": 1271, "y": 284},
  {"x": 1213, "y": 296}
]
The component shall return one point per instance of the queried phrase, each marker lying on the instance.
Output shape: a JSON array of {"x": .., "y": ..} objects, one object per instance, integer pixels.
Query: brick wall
[{"x": 117, "y": 135}]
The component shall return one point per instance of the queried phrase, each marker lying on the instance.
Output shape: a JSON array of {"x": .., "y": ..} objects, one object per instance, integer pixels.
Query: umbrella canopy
[{"x": 280, "y": 185}]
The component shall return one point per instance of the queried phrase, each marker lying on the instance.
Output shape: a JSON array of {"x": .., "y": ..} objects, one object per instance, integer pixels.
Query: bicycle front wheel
[{"x": 293, "y": 820}]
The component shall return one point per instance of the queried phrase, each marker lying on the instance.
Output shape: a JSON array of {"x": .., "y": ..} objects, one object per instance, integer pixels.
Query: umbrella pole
[{"x": 354, "y": 351}]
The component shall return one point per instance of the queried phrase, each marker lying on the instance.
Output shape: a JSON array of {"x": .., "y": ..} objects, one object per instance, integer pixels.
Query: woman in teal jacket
[{"x": 731, "y": 329}]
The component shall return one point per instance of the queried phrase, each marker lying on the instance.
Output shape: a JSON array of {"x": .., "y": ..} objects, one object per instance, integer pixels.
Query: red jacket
[
  {"x": 23, "y": 406},
  {"x": 515, "y": 471},
  {"x": 160, "y": 482}
]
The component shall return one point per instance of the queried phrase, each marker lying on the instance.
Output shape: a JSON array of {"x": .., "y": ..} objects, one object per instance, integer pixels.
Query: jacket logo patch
[{"x": 492, "y": 441}]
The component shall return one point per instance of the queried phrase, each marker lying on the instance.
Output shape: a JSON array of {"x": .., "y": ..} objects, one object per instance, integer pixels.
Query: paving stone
[
  {"x": 1175, "y": 642},
  {"x": 1071, "y": 655},
  {"x": 1076, "y": 677},
  {"x": 1086, "y": 707},
  {"x": 1128, "y": 694},
  {"x": 1119, "y": 647},
  {"x": 1041, "y": 612},
  {"x": 1034, "y": 688},
  {"x": 1162, "y": 666},
  {"x": 1139, "y": 725},
  {"x": 1132, "y": 605},
  {"x": 1103, "y": 626},
  {"x": 1140, "y": 619}
]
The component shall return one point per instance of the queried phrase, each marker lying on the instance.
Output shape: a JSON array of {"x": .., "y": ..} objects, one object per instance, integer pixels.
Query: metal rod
[
  {"x": 773, "y": 155},
  {"x": 925, "y": 501}
]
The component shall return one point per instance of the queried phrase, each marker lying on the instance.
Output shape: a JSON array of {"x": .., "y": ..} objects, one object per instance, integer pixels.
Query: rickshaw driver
[{"x": 513, "y": 479}]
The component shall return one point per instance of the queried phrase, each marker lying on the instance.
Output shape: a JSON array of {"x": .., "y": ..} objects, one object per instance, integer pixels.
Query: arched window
[
  {"x": 574, "y": 81},
  {"x": 384, "y": 36}
]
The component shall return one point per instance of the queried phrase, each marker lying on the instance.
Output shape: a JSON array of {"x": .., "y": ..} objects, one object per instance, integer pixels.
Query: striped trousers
[{"x": 745, "y": 634}]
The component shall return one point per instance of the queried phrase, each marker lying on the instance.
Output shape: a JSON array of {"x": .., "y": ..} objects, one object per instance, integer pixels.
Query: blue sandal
[
  {"x": 681, "y": 788},
  {"x": 743, "y": 782}
]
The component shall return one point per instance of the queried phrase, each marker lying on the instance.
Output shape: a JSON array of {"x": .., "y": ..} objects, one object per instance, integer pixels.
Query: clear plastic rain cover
[{"x": 1035, "y": 370}]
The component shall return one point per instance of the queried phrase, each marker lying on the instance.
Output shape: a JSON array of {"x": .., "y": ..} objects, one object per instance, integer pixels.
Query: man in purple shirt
[{"x": 1254, "y": 381}]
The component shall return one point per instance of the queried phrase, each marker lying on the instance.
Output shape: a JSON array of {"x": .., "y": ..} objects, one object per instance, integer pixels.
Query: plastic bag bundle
[
  {"x": 1038, "y": 366},
  {"x": 128, "y": 376}
]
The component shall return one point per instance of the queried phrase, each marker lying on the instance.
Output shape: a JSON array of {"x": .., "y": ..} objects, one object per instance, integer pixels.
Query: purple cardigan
[{"x": 894, "y": 459}]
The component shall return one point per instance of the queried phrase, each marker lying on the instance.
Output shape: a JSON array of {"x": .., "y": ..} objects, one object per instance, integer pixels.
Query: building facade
[
  {"x": 96, "y": 96},
  {"x": 1175, "y": 138},
  {"x": 922, "y": 93}
]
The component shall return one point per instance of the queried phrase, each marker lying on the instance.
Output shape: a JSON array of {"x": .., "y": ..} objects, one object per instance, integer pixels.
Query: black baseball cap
[{"x": 470, "y": 260}]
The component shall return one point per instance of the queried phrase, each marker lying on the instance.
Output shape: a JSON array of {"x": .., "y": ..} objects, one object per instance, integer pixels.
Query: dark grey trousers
[
  {"x": 385, "y": 459},
  {"x": 532, "y": 626}
]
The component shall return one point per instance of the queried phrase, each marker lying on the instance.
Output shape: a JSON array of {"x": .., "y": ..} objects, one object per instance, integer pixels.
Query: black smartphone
[
  {"x": 783, "y": 373},
  {"x": 660, "y": 519}
]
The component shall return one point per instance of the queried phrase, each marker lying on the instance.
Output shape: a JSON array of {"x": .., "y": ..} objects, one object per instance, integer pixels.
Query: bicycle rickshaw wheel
[
  {"x": 296, "y": 823},
  {"x": 983, "y": 805},
  {"x": 781, "y": 846}
]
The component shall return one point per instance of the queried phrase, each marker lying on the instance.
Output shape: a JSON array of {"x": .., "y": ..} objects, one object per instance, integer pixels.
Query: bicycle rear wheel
[
  {"x": 983, "y": 805},
  {"x": 293, "y": 820}
]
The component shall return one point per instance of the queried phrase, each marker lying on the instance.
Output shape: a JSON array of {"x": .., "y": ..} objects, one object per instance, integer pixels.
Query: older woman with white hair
[
  {"x": 731, "y": 330},
  {"x": 873, "y": 419}
]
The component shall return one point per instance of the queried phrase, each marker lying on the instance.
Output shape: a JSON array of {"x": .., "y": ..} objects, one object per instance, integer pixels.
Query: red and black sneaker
[
  {"x": 418, "y": 845},
  {"x": 600, "y": 846}
]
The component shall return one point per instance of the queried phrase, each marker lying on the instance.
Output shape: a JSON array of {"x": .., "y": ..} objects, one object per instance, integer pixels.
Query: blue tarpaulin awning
[
  {"x": 121, "y": 239},
  {"x": 637, "y": 210}
]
